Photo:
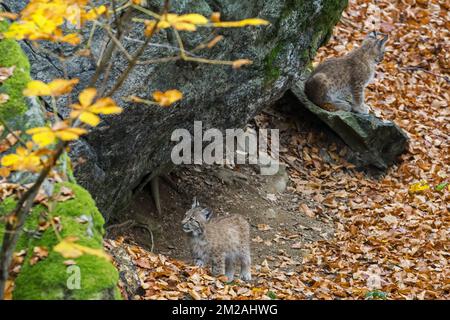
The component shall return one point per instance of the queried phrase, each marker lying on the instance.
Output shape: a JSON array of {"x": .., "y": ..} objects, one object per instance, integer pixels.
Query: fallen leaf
[
  {"x": 39, "y": 253},
  {"x": 6, "y": 73},
  {"x": 263, "y": 227},
  {"x": 71, "y": 250}
]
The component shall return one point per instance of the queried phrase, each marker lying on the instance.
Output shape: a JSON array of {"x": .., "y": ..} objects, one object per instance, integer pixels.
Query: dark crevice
[{"x": 36, "y": 53}]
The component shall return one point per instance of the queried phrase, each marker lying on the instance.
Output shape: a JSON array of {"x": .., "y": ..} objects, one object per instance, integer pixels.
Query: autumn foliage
[
  {"x": 41, "y": 149},
  {"x": 391, "y": 233}
]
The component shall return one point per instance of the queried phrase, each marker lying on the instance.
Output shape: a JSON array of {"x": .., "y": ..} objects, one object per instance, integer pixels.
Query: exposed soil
[{"x": 281, "y": 222}]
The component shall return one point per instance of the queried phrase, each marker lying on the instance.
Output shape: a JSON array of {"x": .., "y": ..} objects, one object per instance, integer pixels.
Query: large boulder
[
  {"x": 128, "y": 149},
  {"x": 49, "y": 277},
  {"x": 374, "y": 141}
]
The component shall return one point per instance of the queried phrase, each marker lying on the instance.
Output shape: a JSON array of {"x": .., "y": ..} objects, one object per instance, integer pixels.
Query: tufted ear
[
  {"x": 207, "y": 213},
  {"x": 383, "y": 41},
  {"x": 195, "y": 203},
  {"x": 372, "y": 35}
]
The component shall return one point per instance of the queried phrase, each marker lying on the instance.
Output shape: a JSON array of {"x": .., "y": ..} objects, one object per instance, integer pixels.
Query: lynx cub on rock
[
  {"x": 220, "y": 241},
  {"x": 340, "y": 82}
]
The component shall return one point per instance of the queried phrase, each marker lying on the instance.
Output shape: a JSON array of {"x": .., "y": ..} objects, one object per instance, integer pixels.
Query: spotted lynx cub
[
  {"x": 221, "y": 241},
  {"x": 340, "y": 82}
]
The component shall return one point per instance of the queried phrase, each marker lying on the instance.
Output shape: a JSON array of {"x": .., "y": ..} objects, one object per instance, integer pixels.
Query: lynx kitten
[
  {"x": 340, "y": 82},
  {"x": 220, "y": 241}
]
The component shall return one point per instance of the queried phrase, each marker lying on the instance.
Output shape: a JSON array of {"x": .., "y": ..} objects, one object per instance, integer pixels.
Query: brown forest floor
[{"x": 382, "y": 226}]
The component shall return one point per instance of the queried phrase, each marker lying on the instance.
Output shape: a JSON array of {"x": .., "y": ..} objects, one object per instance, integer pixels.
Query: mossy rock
[
  {"x": 51, "y": 278},
  {"x": 374, "y": 141},
  {"x": 11, "y": 54},
  {"x": 326, "y": 15}
]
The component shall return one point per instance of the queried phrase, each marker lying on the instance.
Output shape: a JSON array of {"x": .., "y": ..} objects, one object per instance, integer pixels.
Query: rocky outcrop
[
  {"x": 126, "y": 150},
  {"x": 374, "y": 141},
  {"x": 48, "y": 277},
  {"x": 44, "y": 273}
]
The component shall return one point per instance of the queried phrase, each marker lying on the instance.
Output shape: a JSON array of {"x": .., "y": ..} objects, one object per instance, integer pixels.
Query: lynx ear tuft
[
  {"x": 195, "y": 203},
  {"x": 372, "y": 35},
  {"x": 382, "y": 42},
  {"x": 207, "y": 214}
]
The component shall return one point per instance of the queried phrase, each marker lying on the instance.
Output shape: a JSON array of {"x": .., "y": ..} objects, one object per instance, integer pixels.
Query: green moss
[
  {"x": 11, "y": 54},
  {"x": 331, "y": 13},
  {"x": 293, "y": 13},
  {"x": 48, "y": 278},
  {"x": 272, "y": 71}
]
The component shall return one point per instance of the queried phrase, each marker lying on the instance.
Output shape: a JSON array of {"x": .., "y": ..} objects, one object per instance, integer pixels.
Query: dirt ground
[{"x": 281, "y": 222}]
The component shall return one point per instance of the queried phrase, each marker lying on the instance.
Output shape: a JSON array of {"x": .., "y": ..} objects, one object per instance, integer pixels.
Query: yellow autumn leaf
[
  {"x": 241, "y": 62},
  {"x": 105, "y": 106},
  {"x": 87, "y": 117},
  {"x": 72, "y": 38},
  {"x": 87, "y": 110},
  {"x": 150, "y": 25},
  {"x": 418, "y": 187},
  {"x": 87, "y": 96},
  {"x": 167, "y": 98},
  {"x": 185, "y": 22},
  {"x": 4, "y": 172},
  {"x": 45, "y": 136},
  {"x": 193, "y": 18},
  {"x": 55, "y": 88},
  {"x": 71, "y": 250},
  {"x": 215, "y": 17},
  {"x": 42, "y": 136},
  {"x": 37, "y": 88},
  {"x": 24, "y": 159},
  {"x": 70, "y": 134},
  {"x": 44, "y": 20},
  {"x": 94, "y": 13},
  {"x": 240, "y": 23}
]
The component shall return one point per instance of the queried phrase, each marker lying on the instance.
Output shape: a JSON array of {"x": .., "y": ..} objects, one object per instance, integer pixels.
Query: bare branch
[{"x": 20, "y": 213}]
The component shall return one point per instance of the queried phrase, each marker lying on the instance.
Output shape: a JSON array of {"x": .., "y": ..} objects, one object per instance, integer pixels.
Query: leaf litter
[{"x": 391, "y": 236}]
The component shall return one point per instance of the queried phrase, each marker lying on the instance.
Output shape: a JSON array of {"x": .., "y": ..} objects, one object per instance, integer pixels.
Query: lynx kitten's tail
[{"x": 315, "y": 87}]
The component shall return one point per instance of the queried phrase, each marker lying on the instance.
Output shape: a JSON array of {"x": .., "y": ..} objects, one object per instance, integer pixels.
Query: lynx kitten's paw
[
  {"x": 363, "y": 109},
  {"x": 246, "y": 276}
]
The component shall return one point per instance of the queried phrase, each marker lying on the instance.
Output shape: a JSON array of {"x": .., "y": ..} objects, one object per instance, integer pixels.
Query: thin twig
[
  {"x": 146, "y": 11},
  {"x": 105, "y": 58},
  {"x": 118, "y": 43},
  {"x": 159, "y": 60},
  {"x": 146, "y": 227},
  {"x": 140, "y": 51},
  {"x": 116, "y": 18},
  {"x": 185, "y": 57},
  {"x": 119, "y": 225},
  {"x": 292, "y": 164},
  {"x": 13, "y": 228},
  {"x": 11, "y": 131},
  {"x": 131, "y": 65},
  {"x": 159, "y": 45}
]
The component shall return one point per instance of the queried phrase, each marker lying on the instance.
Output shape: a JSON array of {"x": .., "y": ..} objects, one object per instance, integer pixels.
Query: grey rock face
[
  {"x": 375, "y": 141},
  {"x": 126, "y": 149}
]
